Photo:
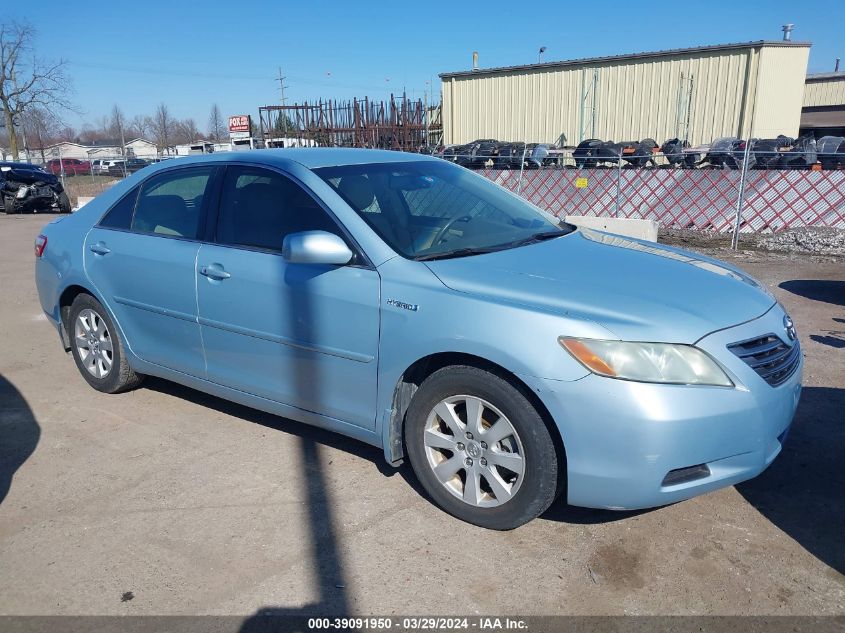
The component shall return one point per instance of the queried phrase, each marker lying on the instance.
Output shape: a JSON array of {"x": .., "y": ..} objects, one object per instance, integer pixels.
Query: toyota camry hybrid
[{"x": 409, "y": 303}]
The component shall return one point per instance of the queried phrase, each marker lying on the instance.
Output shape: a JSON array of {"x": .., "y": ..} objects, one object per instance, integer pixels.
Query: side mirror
[{"x": 315, "y": 247}]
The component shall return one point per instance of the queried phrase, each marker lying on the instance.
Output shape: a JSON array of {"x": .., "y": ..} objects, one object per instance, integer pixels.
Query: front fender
[{"x": 421, "y": 317}]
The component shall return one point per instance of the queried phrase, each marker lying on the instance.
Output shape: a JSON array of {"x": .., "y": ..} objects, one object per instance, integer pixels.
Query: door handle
[
  {"x": 214, "y": 271},
  {"x": 99, "y": 249}
]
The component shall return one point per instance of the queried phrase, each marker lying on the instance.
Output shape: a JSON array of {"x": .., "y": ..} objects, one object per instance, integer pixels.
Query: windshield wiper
[
  {"x": 463, "y": 252},
  {"x": 539, "y": 237},
  {"x": 460, "y": 252}
]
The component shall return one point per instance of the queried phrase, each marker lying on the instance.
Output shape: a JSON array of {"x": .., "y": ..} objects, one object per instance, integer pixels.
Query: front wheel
[
  {"x": 64, "y": 202},
  {"x": 9, "y": 205},
  {"x": 480, "y": 449}
]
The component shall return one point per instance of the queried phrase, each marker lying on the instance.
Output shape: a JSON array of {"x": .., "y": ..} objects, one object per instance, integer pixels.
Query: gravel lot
[{"x": 168, "y": 501}]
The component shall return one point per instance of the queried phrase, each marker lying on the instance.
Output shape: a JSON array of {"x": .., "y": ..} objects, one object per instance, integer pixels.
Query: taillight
[{"x": 40, "y": 245}]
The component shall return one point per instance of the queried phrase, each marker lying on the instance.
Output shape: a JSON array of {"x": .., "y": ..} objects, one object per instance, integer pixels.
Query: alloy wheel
[
  {"x": 93, "y": 343},
  {"x": 474, "y": 451}
]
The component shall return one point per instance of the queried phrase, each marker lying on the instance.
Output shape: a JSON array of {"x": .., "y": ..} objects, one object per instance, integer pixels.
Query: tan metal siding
[
  {"x": 637, "y": 98},
  {"x": 825, "y": 93},
  {"x": 780, "y": 83}
]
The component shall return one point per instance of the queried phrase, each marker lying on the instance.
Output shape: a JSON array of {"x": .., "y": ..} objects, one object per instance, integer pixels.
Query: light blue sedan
[{"x": 411, "y": 304}]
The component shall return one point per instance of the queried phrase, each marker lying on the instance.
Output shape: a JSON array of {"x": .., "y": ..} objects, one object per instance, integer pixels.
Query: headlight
[
  {"x": 647, "y": 362},
  {"x": 21, "y": 194}
]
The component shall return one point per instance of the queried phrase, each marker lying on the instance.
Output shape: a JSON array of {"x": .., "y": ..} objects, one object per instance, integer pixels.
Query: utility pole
[{"x": 282, "y": 86}]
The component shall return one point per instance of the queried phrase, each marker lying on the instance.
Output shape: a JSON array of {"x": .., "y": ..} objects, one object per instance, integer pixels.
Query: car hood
[
  {"x": 28, "y": 176},
  {"x": 639, "y": 291}
]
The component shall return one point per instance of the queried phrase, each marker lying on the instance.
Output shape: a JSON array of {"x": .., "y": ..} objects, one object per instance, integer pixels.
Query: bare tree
[
  {"x": 25, "y": 81},
  {"x": 163, "y": 125},
  {"x": 141, "y": 126},
  {"x": 67, "y": 133},
  {"x": 117, "y": 126},
  {"x": 42, "y": 128},
  {"x": 216, "y": 124},
  {"x": 187, "y": 131}
]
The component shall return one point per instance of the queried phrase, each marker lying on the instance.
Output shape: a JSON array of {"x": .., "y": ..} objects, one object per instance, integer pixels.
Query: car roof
[{"x": 310, "y": 157}]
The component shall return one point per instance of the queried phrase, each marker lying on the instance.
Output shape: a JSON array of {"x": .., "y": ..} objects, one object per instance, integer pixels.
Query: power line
[
  {"x": 308, "y": 81},
  {"x": 282, "y": 95},
  {"x": 282, "y": 86}
]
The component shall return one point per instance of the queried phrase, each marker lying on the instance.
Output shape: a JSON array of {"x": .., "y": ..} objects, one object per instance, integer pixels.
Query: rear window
[
  {"x": 120, "y": 215},
  {"x": 171, "y": 203}
]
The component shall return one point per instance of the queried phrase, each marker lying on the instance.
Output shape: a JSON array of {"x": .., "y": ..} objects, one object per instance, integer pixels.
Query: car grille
[{"x": 770, "y": 357}]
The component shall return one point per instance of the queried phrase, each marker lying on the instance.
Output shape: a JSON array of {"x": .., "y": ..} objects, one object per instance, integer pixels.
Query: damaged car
[{"x": 27, "y": 188}]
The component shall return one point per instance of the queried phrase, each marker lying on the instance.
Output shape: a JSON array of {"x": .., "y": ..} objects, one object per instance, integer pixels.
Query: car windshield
[{"x": 435, "y": 210}]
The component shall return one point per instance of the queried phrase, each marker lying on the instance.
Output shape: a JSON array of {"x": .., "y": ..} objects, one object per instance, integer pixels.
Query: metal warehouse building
[
  {"x": 824, "y": 104},
  {"x": 747, "y": 89}
]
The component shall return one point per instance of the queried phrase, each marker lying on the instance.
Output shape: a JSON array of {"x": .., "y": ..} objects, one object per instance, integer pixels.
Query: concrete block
[{"x": 629, "y": 227}]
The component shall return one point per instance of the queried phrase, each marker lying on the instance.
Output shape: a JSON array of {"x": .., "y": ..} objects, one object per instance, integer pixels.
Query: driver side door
[{"x": 305, "y": 335}]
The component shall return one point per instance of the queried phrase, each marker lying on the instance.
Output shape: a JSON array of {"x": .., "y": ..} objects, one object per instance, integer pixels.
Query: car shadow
[
  {"x": 560, "y": 511},
  {"x": 835, "y": 340},
  {"x": 826, "y": 290},
  {"x": 19, "y": 433},
  {"x": 304, "y": 431},
  {"x": 801, "y": 492}
]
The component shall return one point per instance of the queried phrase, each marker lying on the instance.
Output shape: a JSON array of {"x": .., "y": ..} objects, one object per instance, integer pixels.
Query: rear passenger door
[
  {"x": 302, "y": 334},
  {"x": 141, "y": 258}
]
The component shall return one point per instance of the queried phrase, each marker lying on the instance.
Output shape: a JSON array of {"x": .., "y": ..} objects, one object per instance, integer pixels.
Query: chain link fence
[
  {"x": 742, "y": 191},
  {"x": 737, "y": 189}
]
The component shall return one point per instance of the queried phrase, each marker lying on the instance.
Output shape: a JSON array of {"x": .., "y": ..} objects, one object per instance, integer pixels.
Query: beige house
[
  {"x": 68, "y": 149},
  {"x": 141, "y": 148}
]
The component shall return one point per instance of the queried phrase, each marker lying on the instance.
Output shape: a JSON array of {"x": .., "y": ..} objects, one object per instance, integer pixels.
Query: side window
[
  {"x": 120, "y": 215},
  {"x": 259, "y": 207},
  {"x": 171, "y": 203}
]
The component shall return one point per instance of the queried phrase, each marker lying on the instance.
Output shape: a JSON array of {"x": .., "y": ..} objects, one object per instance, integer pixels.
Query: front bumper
[
  {"x": 622, "y": 438},
  {"x": 38, "y": 198}
]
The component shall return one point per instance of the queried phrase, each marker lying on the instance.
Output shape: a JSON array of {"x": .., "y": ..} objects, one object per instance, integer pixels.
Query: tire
[
  {"x": 438, "y": 444},
  {"x": 110, "y": 371},
  {"x": 10, "y": 205},
  {"x": 64, "y": 202}
]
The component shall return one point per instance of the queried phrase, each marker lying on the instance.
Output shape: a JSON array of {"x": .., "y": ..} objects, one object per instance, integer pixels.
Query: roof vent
[
  {"x": 787, "y": 32},
  {"x": 836, "y": 66},
  {"x": 475, "y": 60}
]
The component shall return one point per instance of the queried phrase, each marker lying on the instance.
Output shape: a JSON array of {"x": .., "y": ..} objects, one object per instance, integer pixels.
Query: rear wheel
[
  {"x": 97, "y": 348},
  {"x": 480, "y": 449}
]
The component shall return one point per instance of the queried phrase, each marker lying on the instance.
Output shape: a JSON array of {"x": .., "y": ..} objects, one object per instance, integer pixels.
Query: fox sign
[{"x": 239, "y": 123}]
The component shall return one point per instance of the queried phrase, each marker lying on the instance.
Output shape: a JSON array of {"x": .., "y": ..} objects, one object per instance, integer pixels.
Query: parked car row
[
  {"x": 489, "y": 153},
  {"x": 782, "y": 152},
  {"x": 99, "y": 166}
]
